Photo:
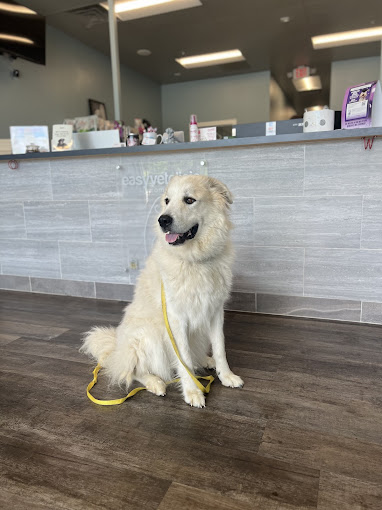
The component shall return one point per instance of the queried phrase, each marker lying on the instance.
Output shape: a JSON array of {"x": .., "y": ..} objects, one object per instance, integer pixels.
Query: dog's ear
[{"x": 220, "y": 188}]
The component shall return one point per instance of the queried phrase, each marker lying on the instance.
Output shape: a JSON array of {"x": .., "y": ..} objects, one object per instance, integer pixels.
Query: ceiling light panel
[
  {"x": 16, "y": 9},
  {"x": 16, "y": 39},
  {"x": 143, "y": 52},
  {"x": 135, "y": 9},
  {"x": 347, "y": 38},
  {"x": 308, "y": 83},
  {"x": 211, "y": 59}
]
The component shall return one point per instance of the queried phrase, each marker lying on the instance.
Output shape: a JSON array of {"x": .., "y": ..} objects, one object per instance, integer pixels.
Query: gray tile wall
[
  {"x": 343, "y": 274},
  {"x": 308, "y": 221},
  {"x": 343, "y": 168},
  {"x": 276, "y": 170},
  {"x": 24, "y": 257},
  {"x": 98, "y": 262},
  {"x": 308, "y": 225},
  {"x": 269, "y": 270},
  {"x": 12, "y": 223},
  {"x": 371, "y": 234},
  {"x": 57, "y": 220},
  {"x": 105, "y": 220}
]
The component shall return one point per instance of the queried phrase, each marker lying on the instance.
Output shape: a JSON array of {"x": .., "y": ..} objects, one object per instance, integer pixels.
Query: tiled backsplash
[{"x": 308, "y": 224}]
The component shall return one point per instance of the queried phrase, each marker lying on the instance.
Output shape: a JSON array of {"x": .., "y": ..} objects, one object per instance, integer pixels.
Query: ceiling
[{"x": 253, "y": 26}]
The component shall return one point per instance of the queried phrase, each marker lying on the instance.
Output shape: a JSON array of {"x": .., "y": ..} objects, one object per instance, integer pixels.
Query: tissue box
[{"x": 318, "y": 120}]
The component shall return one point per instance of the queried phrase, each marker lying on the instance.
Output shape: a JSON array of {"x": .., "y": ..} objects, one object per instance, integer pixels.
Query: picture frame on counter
[{"x": 97, "y": 108}]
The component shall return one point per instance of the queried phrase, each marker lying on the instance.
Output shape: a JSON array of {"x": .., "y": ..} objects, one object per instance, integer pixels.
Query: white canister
[{"x": 318, "y": 120}]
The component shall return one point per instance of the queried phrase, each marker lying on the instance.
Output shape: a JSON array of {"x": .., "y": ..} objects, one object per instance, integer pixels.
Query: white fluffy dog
[{"x": 192, "y": 256}]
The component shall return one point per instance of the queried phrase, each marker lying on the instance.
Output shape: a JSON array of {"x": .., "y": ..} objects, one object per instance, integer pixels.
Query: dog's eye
[
  {"x": 166, "y": 201},
  {"x": 189, "y": 200}
]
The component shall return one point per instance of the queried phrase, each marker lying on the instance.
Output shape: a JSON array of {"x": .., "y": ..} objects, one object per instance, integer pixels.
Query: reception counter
[{"x": 307, "y": 216}]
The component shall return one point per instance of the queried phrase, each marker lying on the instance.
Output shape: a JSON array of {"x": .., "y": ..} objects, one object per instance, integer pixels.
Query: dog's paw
[
  {"x": 209, "y": 362},
  {"x": 157, "y": 386},
  {"x": 195, "y": 398},
  {"x": 231, "y": 380}
]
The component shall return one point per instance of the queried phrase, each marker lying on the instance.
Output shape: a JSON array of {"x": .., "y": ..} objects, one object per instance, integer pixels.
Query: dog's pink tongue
[{"x": 171, "y": 238}]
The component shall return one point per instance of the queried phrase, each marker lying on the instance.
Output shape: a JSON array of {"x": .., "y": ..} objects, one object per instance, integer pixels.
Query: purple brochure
[{"x": 361, "y": 106}]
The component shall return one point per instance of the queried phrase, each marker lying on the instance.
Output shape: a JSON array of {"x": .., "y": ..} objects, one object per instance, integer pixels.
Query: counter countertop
[{"x": 339, "y": 134}]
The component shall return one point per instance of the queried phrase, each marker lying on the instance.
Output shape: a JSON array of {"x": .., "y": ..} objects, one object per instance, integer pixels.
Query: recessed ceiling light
[
  {"x": 308, "y": 83},
  {"x": 17, "y": 9},
  {"x": 285, "y": 19},
  {"x": 144, "y": 53},
  {"x": 134, "y": 9},
  {"x": 314, "y": 108},
  {"x": 16, "y": 38},
  {"x": 346, "y": 38},
  {"x": 211, "y": 59},
  {"x": 132, "y": 5}
]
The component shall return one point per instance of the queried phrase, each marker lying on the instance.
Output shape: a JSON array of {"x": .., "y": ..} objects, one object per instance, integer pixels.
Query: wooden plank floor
[{"x": 305, "y": 432}]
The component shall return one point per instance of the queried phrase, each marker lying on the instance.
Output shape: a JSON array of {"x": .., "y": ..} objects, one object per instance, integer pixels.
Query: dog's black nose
[{"x": 165, "y": 221}]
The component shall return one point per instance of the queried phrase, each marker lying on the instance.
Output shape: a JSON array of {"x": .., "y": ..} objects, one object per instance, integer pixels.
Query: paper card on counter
[
  {"x": 270, "y": 128},
  {"x": 29, "y": 136},
  {"x": 62, "y": 137},
  {"x": 207, "y": 133}
]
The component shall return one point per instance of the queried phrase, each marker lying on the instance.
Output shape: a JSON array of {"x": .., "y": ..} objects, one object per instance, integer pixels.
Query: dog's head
[{"x": 194, "y": 217}]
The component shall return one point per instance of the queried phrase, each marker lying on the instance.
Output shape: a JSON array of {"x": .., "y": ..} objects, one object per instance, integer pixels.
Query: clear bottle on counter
[{"x": 194, "y": 130}]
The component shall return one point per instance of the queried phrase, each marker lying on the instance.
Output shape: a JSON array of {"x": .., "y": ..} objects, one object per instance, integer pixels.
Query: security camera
[{"x": 16, "y": 73}]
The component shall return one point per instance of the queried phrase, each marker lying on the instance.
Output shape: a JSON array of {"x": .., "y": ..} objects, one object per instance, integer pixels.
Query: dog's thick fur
[{"x": 197, "y": 279}]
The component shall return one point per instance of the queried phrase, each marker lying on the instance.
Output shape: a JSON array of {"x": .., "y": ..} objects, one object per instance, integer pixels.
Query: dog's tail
[{"x": 100, "y": 343}]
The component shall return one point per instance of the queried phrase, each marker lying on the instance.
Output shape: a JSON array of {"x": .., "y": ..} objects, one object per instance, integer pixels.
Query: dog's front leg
[
  {"x": 227, "y": 377},
  {"x": 191, "y": 393}
]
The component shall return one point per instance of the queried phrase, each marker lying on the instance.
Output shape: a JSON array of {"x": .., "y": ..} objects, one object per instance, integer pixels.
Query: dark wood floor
[{"x": 305, "y": 432}]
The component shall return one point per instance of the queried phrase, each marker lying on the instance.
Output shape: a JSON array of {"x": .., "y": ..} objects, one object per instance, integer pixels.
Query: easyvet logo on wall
[
  {"x": 148, "y": 179},
  {"x": 143, "y": 184}
]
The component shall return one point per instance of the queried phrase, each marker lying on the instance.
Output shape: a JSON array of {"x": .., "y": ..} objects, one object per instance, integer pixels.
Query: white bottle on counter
[{"x": 194, "y": 131}]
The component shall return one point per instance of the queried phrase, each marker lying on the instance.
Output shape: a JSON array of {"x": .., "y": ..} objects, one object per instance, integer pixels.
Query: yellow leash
[
  {"x": 108, "y": 402},
  {"x": 205, "y": 389}
]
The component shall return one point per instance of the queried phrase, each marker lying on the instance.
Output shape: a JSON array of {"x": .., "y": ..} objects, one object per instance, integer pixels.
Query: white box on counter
[{"x": 96, "y": 139}]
